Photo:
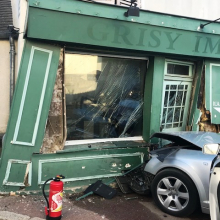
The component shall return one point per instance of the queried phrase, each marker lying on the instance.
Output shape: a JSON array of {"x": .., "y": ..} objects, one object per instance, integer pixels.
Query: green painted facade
[
  {"x": 53, "y": 24},
  {"x": 153, "y": 96},
  {"x": 164, "y": 34}
]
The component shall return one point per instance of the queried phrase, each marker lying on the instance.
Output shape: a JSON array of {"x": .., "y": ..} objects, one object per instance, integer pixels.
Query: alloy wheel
[{"x": 172, "y": 193}]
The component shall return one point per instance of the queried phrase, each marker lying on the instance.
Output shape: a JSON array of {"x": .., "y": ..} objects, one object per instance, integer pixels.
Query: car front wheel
[{"x": 174, "y": 192}]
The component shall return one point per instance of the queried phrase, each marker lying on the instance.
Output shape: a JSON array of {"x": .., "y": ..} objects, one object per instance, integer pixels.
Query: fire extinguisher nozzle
[{"x": 59, "y": 177}]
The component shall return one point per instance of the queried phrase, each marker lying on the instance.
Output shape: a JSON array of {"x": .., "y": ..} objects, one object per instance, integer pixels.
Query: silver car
[{"x": 179, "y": 172}]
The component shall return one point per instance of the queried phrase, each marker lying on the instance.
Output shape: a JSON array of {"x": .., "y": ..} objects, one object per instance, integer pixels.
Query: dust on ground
[{"x": 122, "y": 207}]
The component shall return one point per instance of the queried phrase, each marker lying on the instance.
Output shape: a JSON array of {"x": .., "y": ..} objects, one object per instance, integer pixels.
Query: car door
[{"x": 214, "y": 190}]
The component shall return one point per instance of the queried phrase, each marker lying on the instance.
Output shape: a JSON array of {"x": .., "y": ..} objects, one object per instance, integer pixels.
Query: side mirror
[{"x": 212, "y": 149}]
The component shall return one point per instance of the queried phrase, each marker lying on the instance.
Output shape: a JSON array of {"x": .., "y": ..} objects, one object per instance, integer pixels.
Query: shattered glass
[
  {"x": 172, "y": 98},
  {"x": 170, "y": 115},
  {"x": 177, "y": 115},
  {"x": 179, "y": 98},
  {"x": 166, "y": 98},
  {"x": 104, "y": 96},
  {"x": 164, "y": 115}
]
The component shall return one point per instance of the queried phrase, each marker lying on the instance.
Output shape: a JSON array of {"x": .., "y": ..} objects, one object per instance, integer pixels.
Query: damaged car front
[{"x": 178, "y": 172}]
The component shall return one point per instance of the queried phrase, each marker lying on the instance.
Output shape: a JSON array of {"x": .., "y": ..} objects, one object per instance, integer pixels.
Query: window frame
[
  {"x": 179, "y": 77},
  {"x": 168, "y": 79}
]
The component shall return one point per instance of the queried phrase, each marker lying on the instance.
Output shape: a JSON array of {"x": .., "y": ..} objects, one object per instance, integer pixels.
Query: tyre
[{"x": 174, "y": 193}]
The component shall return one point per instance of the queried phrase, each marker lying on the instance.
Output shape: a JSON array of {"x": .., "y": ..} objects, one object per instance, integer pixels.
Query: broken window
[{"x": 104, "y": 96}]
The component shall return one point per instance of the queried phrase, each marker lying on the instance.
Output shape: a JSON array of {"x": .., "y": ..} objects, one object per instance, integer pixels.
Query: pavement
[{"x": 122, "y": 207}]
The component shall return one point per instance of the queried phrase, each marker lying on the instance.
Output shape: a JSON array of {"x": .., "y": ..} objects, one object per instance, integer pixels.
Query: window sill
[{"x": 113, "y": 143}]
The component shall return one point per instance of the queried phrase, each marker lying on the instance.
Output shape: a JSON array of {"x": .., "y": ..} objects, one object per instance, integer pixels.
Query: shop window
[
  {"x": 176, "y": 95},
  {"x": 104, "y": 96}
]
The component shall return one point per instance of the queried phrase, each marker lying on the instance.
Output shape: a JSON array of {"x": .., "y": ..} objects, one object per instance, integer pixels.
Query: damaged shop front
[{"x": 94, "y": 85}]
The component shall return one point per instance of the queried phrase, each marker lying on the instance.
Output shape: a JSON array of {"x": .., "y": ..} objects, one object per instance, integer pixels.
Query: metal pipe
[{"x": 12, "y": 62}]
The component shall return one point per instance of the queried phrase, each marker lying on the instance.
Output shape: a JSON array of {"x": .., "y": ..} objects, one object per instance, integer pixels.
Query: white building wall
[
  {"x": 4, "y": 84},
  {"x": 22, "y": 19},
  {"x": 19, "y": 9},
  {"x": 15, "y": 12},
  {"x": 18, "y": 22},
  {"x": 202, "y": 9}
]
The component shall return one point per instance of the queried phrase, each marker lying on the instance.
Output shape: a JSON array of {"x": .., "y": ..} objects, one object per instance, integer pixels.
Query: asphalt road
[{"x": 122, "y": 207}]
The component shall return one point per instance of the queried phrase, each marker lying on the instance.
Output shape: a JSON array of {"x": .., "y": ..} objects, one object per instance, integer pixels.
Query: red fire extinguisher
[{"x": 54, "y": 205}]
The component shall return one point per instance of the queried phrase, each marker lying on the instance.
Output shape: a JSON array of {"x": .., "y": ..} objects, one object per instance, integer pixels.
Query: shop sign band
[
  {"x": 158, "y": 34},
  {"x": 154, "y": 38}
]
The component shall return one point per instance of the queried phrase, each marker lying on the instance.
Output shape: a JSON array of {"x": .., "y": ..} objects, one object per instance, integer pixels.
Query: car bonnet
[{"x": 196, "y": 138}]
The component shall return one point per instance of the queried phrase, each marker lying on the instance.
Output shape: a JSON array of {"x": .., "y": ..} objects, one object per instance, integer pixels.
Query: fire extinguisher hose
[{"x": 43, "y": 191}]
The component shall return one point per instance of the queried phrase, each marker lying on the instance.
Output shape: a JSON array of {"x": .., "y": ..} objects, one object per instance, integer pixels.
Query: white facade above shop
[{"x": 201, "y": 9}]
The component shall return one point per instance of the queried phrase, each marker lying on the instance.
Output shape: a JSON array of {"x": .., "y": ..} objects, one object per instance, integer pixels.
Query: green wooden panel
[
  {"x": 207, "y": 84},
  {"x": 103, "y": 146},
  {"x": 64, "y": 27},
  {"x": 153, "y": 96},
  {"x": 215, "y": 93},
  {"x": 35, "y": 93},
  {"x": 158, "y": 79},
  {"x": 33, "y": 73},
  {"x": 212, "y": 90},
  {"x": 30, "y": 109},
  {"x": 85, "y": 167},
  {"x": 82, "y": 167},
  {"x": 89, "y": 167},
  {"x": 148, "y": 100},
  {"x": 17, "y": 173}
]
